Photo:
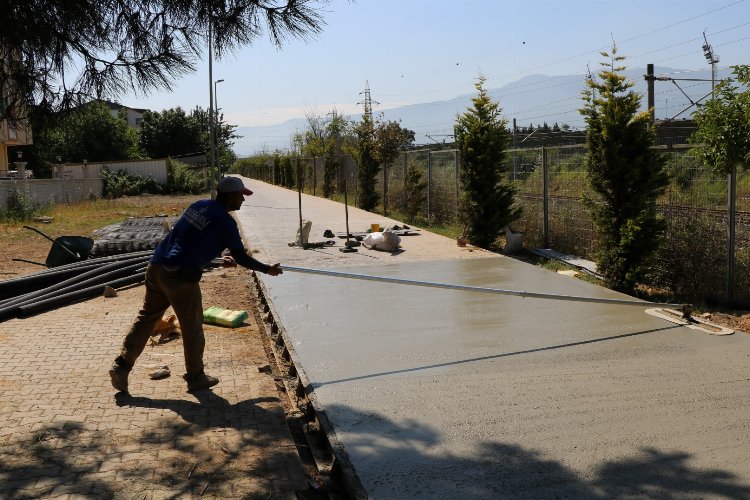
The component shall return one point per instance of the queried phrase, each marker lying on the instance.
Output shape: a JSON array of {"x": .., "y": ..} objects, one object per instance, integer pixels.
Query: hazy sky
[{"x": 414, "y": 51}]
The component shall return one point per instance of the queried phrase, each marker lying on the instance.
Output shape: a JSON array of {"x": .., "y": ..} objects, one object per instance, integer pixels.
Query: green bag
[{"x": 224, "y": 317}]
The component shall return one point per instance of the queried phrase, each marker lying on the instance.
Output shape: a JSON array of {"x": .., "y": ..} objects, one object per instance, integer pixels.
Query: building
[
  {"x": 11, "y": 135},
  {"x": 132, "y": 115}
]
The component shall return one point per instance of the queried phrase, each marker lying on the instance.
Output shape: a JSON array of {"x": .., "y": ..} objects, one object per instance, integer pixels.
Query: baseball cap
[{"x": 232, "y": 185}]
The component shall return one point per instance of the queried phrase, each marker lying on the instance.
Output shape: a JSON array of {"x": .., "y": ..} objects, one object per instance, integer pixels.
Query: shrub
[
  {"x": 690, "y": 262},
  {"x": 19, "y": 206},
  {"x": 184, "y": 180},
  {"x": 414, "y": 191},
  {"x": 121, "y": 183}
]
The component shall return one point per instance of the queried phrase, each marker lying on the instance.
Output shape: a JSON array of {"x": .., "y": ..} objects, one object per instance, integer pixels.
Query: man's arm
[{"x": 242, "y": 258}]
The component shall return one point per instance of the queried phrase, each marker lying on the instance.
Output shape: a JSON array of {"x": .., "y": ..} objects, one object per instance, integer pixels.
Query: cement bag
[
  {"x": 387, "y": 241},
  {"x": 224, "y": 317}
]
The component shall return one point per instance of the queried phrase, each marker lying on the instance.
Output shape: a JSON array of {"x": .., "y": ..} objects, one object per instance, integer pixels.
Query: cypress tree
[
  {"x": 625, "y": 173},
  {"x": 487, "y": 197}
]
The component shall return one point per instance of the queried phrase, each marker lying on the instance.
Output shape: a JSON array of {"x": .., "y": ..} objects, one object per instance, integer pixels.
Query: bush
[
  {"x": 184, "y": 180},
  {"x": 121, "y": 183},
  {"x": 415, "y": 192},
  {"x": 19, "y": 206},
  {"x": 691, "y": 260}
]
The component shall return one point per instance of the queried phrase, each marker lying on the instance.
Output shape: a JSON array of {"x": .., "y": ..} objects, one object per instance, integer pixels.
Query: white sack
[{"x": 387, "y": 241}]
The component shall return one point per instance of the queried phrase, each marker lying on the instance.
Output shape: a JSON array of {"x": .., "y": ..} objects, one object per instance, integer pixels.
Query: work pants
[{"x": 165, "y": 288}]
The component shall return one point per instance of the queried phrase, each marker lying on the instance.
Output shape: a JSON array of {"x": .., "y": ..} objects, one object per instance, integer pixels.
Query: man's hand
[
  {"x": 228, "y": 261},
  {"x": 275, "y": 270}
]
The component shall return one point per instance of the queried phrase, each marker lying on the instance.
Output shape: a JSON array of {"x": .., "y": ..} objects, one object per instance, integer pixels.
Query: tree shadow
[
  {"x": 408, "y": 460},
  {"x": 77, "y": 459}
]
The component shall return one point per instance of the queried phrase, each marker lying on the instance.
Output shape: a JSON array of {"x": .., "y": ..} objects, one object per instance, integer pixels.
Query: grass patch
[{"x": 82, "y": 218}]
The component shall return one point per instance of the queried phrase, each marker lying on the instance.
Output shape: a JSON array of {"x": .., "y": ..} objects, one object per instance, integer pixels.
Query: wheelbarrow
[{"x": 66, "y": 249}]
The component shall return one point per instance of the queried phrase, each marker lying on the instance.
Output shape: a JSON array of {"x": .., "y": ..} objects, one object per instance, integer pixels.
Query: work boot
[
  {"x": 119, "y": 374},
  {"x": 200, "y": 381},
  {"x": 119, "y": 377}
]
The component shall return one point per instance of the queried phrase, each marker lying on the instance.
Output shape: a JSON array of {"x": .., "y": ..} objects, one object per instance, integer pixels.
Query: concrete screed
[{"x": 439, "y": 393}]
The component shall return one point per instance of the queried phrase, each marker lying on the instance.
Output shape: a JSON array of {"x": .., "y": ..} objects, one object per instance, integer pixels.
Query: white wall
[
  {"x": 46, "y": 191},
  {"x": 156, "y": 169}
]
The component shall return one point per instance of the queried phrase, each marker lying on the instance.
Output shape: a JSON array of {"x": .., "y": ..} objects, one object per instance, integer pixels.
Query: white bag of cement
[{"x": 387, "y": 241}]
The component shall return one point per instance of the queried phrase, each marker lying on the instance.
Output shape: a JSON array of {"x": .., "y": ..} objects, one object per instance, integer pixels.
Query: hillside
[{"x": 531, "y": 100}]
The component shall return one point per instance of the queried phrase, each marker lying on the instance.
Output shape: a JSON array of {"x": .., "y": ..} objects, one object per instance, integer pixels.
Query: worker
[{"x": 203, "y": 232}]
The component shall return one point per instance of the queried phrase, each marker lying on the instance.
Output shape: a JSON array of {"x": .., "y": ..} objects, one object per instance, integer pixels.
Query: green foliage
[
  {"x": 184, "y": 180},
  {"x": 415, "y": 191},
  {"x": 625, "y": 174},
  {"x": 690, "y": 262},
  {"x": 724, "y": 124},
  {"x": 19, "y": 206},
  {"x": 73, "y": 51},
  {"x": 286, "y": 168},
  {"x": 121, "y": 183},
  {"x": 91, "y": 133},
  {"x": 390, "y": 138},
  {"x": 367, "y": 166},
  {"x": 486, "y": 203},
  {"x": 171, "y": 132},
  {"x": 325, "y": 137}
]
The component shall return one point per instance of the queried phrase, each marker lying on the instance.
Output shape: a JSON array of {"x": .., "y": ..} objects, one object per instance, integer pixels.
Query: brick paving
[{"x": 64, "y": 434}]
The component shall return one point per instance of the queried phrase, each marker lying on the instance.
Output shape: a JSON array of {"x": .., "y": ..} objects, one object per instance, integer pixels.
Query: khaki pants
[{"x": 165, "y": 288}]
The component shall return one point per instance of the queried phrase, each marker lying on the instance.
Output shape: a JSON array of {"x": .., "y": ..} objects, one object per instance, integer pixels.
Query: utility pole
[
  {"x": 367, "y": 101},
  {"x": 713, "y": 60},
  {"x": 212, "y": 178},
  {"x": 650, "y": 81}
]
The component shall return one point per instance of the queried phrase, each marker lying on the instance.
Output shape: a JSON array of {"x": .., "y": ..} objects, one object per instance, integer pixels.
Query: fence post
[
  {"x": 406, "y": 173},
  {"x": 429, "y": 183},
  {"x": 545, "y": 197},
  {"x": 731, "y": 220},
  {"x": 458, "y": 187}
]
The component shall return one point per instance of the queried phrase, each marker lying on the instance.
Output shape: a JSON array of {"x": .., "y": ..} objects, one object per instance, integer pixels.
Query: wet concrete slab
[{"x": 446, "y": 394}]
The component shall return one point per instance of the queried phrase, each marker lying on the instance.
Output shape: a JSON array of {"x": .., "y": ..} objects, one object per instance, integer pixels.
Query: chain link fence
[{"x": 690, "y": 264}]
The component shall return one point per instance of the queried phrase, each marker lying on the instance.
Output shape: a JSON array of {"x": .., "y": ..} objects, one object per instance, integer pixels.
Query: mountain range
[{"x": 531, "y": 100}]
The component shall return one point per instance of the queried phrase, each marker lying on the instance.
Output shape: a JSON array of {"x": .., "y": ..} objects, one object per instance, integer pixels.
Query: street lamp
[
  {"x": 212, "y": 180},
  {"x": 215, "y": 139}
]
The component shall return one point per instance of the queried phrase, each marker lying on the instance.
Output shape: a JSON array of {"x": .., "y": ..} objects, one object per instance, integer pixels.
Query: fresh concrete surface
[{"x": 447, "y": 394}]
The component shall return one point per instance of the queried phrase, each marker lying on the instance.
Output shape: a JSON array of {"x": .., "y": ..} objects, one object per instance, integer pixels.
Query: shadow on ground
[
  {"x": 413, "y": 467},
  {"x": 71, "y": 458},
  {"x": 168, "y": 461}
]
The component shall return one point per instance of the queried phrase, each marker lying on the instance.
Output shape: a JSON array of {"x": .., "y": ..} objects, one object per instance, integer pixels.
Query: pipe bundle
[{"x": 46, "y": 290}]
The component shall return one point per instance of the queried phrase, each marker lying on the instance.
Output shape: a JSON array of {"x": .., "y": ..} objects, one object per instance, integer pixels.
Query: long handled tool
[{"x": 466, "y": 288}]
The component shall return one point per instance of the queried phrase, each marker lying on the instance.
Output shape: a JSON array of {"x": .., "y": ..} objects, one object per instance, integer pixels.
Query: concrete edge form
[{"x": 331, "y": 459}]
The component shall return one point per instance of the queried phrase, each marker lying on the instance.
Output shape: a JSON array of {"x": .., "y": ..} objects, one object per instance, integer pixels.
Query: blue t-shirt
[{"x": 200, "y": 235}]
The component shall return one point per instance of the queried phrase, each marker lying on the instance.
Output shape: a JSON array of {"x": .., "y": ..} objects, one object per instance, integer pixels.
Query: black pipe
[
  {"x": 27, "y": 310},
  {"x": 12, "y": 288},
  {"x": 36, "y": 281},
  {"x": 94, "y": 274},
  {"x": 11, "y": 310},
  {"x": 96, "y": 280}
]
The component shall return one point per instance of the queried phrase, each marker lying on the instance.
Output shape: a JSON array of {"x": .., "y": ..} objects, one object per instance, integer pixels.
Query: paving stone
[{"x": 55, "y": 395}]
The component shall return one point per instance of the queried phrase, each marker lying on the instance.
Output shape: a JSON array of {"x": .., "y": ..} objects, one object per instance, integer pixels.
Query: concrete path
[{"x": 446, "y": 394}]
